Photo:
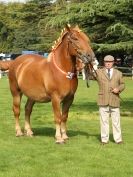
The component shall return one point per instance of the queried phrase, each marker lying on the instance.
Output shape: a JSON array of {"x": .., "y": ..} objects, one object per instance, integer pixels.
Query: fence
[{"x": 127, "y": 71}]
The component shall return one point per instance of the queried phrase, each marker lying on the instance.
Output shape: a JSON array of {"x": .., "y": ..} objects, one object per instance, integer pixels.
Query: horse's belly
[
  {"x": 41, "y": 98},
  {"x": 38, "y": 95}
]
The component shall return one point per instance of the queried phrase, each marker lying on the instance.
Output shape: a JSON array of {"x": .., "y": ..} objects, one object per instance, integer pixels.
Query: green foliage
[
  {"x": 125, "y": 47},
  {"x": 106, "y": 22},
  {"x": 36, "y": 24}
]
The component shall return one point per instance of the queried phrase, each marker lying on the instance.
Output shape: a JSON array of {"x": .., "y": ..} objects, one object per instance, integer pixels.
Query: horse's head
[
  {"x": 75, "y": 45},
  {"x": 79, "y": 45}
]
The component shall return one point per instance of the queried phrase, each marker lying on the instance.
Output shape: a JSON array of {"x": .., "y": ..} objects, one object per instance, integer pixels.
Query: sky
[{"x": 6, "y": 1}]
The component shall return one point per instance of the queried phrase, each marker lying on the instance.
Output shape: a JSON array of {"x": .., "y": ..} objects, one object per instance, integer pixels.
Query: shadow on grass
[
  {"x": 126, "y": 107},
  {"x": 85, "y": 106},
  {"x": 47, "y": 131}
]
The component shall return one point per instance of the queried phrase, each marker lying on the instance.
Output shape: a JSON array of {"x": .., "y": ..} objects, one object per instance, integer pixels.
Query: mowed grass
[{"x": 82, "y": 155}]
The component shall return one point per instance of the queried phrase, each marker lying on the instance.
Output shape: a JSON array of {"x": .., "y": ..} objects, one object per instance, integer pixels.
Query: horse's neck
[{"x": 63, "y": 58}]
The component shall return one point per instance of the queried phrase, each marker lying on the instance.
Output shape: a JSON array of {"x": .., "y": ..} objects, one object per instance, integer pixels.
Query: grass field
[{"x": 82, "y": 155}]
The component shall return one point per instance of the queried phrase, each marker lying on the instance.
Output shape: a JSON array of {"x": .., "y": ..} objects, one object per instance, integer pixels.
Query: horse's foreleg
[
  {"x": 28, "y": 110},
  {"x": 16, "y": 110},
  {"x": 65, "y": 109},
  {"x": 57, "y": 118}
]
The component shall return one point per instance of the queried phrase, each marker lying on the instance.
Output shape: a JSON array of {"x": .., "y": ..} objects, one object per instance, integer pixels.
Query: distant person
[
  {"x": 118, "y": 62},
  {"x": 83, "y": 74},
  {"x": 111, "y": 84},
  {"x": 0, "y": 74},
  {"x": 46, "y": 55}
]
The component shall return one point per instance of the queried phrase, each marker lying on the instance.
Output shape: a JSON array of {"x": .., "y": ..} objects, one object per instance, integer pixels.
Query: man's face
[{"x": 108, "y": 64}]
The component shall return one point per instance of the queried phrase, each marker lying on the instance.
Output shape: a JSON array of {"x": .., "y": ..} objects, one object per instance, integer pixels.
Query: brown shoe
[
  {"x": 120, "y": 142},
  {"x": 104, "y": 143}
]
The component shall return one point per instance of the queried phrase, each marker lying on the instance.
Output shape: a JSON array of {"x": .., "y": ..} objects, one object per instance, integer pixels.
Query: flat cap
[{"x": 108, "y": 58}]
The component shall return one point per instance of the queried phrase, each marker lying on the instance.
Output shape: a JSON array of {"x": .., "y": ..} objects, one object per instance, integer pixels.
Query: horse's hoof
[
  {"x": 57, "y": 142},
  {"x": 29, "y": 133},
  {"x": 61, "y": 141},
  {"x": 65, "y": 137},
  {"x": 19, "y": 133}
]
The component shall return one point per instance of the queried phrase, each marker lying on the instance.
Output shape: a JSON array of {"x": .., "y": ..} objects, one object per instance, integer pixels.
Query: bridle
[
  {"x": 70, "y": 75},
  {"x": 77, "y": 49}
]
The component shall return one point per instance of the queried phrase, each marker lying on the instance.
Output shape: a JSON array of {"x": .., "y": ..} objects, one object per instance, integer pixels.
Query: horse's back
[
  {"x": 29, "y": 58},
  {"x": 26, "y": 66},
  {"x": 24, "y": 61}
]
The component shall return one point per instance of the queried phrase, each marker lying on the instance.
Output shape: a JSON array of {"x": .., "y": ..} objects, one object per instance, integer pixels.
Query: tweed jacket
[{"x": 105, "y": 96}]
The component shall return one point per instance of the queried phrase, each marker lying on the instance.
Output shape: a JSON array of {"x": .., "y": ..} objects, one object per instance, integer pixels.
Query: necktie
[{"x": 108, "y": 73}]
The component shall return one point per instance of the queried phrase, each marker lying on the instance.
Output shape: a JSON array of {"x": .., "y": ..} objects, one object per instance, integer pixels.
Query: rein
[{"x": 95, "y": 76}]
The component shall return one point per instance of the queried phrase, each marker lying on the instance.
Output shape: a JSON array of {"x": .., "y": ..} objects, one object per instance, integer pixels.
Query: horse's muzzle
[{"x": 86, "y": 58}]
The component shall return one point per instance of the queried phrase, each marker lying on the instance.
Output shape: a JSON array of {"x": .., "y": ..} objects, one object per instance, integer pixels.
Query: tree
[
  {"x": 108, "y": 22},
  {"x": 36, "y": 24}
]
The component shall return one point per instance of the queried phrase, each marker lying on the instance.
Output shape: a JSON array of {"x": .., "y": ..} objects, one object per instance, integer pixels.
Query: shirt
[{"x": 111, "y": 72}]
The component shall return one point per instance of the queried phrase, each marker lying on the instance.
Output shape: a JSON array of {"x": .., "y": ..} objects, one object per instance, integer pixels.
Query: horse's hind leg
[
  {"x": 16, "y": 110},
  {"x": 65, "y": 109},
  {"x": 28, "y": 110}
]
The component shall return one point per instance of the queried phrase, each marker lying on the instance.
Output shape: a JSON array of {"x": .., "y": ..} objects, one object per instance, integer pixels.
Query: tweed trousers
[{"x": 114, "y": 113}]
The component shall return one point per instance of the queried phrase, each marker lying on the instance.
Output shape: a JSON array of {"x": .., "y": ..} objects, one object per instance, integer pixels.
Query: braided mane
[
  {"x": 59, "y": 40},
  {"x": 63, "y": 33}
]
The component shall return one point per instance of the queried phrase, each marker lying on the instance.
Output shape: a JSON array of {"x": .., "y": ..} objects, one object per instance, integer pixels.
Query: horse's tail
[{"x": 5, "y": 65}]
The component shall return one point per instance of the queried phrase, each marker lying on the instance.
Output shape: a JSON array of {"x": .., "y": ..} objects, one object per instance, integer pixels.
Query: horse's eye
[{"x": 75, "y": 38}]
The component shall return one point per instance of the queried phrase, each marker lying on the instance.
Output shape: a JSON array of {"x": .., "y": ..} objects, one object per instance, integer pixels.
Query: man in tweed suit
[{"x": 111, "y": 84}]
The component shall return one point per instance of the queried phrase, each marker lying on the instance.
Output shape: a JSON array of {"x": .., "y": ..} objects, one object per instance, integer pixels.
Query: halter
[{"x": 69, "y": 75}]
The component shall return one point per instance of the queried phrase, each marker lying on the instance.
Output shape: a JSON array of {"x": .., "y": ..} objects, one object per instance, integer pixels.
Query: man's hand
[
  {"x": 115, "y": 90},
  {"x": 95, "y": 64}
]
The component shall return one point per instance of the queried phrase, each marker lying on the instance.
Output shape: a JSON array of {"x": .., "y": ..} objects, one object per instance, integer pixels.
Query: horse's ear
[
  {"x": 68, "y": 27},
  {"x": 77, "y": 28}
]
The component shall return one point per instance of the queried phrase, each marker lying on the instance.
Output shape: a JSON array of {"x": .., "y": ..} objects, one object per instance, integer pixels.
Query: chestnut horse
[{"x": 53, "y": 79}]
